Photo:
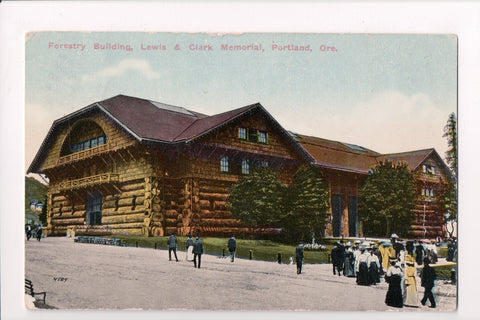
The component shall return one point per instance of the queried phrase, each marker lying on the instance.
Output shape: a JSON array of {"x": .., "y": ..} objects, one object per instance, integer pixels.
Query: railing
[
  {"x": 86, "y": 182},
  {"x": 80, "y": 155},
  {"x": 429, "y": 176}
]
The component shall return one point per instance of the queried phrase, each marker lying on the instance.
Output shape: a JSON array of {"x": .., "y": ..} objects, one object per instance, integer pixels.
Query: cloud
[{"x": 141, "y": 66}]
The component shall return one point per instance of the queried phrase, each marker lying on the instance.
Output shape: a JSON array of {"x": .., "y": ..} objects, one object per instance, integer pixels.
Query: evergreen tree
[
  {"x": 450, "y": 132},
  {"x": 387, "y": 200},
  {"x": 257, "y": 198},
  {"x": 450, "y": 194},
  {"x": 306, "y": 205}
]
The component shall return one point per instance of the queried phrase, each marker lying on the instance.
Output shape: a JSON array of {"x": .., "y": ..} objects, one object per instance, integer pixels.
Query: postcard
[
  {"x": 259, "y": 128},
  {"x": 258, "y": 152}
]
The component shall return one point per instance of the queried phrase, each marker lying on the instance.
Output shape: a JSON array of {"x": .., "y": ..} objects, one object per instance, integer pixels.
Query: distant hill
[{"x": 34, "y": 191}]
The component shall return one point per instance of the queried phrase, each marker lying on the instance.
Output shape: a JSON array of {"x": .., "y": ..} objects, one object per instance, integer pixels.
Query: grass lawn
[{"x": 261, "y": 249}]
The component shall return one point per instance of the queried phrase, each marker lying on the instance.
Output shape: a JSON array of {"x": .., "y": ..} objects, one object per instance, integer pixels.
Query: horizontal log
[
  {"x": 171, "y": 213},
  {"x": 204, "y": 204},
  {"x": 125, "y": 202},
  {"x": 123, "y": 210},
  {"x": 221, "y": 222},
  {"x": 216, "y": 196},
  {"x": 126, "y": 225},
  {"x": 68, "y": 221},
  {"x": 59, "y": 198},
  {"x": 219, "y": 205},
  {"x": 133, "y": 186},
  {"x": 124, "y": 218}
]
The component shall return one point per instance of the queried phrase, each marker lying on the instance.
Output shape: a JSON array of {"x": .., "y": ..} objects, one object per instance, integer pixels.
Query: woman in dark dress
[
  {"x": 362, "y": 263},
  {"x": 393, "y": 277}
]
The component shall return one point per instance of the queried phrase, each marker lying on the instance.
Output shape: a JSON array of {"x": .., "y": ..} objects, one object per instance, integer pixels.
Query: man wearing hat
[
  {"x": 299, "y": 257},
  {"x": 197, "y": 251},
  {"x": 338, "y": 257}
]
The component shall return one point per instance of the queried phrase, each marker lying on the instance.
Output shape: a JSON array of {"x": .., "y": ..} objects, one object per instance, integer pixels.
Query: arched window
[{"x": 85, "y": 135}]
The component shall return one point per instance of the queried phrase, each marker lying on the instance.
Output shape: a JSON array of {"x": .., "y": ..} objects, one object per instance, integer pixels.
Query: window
[
  {"x": 428, "y": 192},
  {"x": 94, "y": 209},
  {"x": 224, "y": 164},
  {"x": 242, "y": 133},
  {"x": 245, "y": 167},
  {"x": 87, "y": 144},
  {"x": 262, "y": 137},
  {"x": 429, "y": 169},
  {"x": 264, "y": 164},
  {"x": 252, "y": 135}
]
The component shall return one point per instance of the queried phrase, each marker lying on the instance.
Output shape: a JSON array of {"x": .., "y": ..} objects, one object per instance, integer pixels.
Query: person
[
  {"x": 393, "y": 277},
  {"x": 39, "y": 232},
  {"x": 397, "y": 245},
  {"x": 373, "y": 267},
  {"x": 411, "y": 298},
  {"x": 420, "y": 252},
  {"x": 189, "y": 247},
  {"x": 338, "y": 257},
  {"x": 378, "y": 253},
  {"x": 349, "y": 265},
  {"x": 172, "y": 246},
  {"x": 28, "y": 231},
  {"x": 362, "y": 267},
  {"x": 428, "y": 282},
  {"x": 299, "y": 257},
  {"x": 232, "y": 247},
  {"x": 197, "y": 252}
]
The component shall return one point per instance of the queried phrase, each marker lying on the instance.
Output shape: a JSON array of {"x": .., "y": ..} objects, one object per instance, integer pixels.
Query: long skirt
[
  {"x": 349, "y": 270},
  {"x": 394, "y": 296},
  {"x": 412, "y": 293},
  {"x": 373, "y": 274},
  {"x": 362, "y": 274}
]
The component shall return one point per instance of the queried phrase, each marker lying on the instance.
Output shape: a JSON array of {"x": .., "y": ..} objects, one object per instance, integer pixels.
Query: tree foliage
[
  {"x": 450, "y": 132},
  {"x": 257, "y": 198},
  {"x": 450, "y": 194},
  {"x": 260, "y": 200},
  {"x": 387, "y": 200},
  {"x": 308, "y": 199}
]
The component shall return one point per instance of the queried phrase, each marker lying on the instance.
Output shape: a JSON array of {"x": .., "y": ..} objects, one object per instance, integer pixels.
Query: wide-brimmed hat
[{"x": 394, "y": 236}]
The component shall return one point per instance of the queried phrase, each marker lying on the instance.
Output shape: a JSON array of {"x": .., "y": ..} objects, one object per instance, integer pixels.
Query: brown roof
[
  {"x": 153, "y": 121},
  {"x": 338, "y": 155},
  {"x": 413, "y": 158},
  {"x": 148, "y": 119}
]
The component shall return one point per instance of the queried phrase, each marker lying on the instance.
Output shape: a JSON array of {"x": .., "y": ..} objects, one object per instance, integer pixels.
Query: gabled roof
[
  {"x": 417, "y": 158},
  {"x": 151, "y": 121},
  {"x": 414, "y": 159}
]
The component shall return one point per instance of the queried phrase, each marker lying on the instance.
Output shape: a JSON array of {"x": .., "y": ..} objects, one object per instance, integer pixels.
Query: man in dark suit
[
  {"x": 172, "y": 246},
  {"x": 232, "y": 246},
  {"x": 428, "y": 282},
  {"x": 197, "y": 252},
  {"x": 299, "y": 257}
]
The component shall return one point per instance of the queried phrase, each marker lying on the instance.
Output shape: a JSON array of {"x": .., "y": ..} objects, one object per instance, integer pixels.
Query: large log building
[{"x": 132, "y": 166}]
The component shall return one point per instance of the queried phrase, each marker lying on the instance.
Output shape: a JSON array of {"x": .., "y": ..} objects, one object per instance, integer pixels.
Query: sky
[{"x": 389, "y": 93}]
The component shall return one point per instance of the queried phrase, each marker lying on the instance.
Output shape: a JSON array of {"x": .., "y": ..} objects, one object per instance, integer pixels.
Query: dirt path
[{"x": 91, "y": 276}]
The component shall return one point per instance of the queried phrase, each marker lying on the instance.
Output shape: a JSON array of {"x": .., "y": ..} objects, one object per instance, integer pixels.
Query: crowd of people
[
  {"x": 35, "y": 231},
  {"x": 395, "y": 261}
]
